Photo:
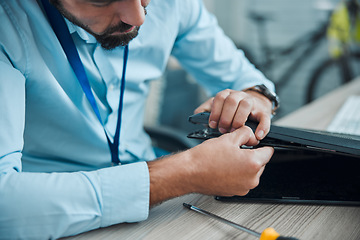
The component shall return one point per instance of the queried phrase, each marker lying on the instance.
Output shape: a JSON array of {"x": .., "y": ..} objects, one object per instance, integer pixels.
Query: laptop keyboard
[{"x": 347, "y": 119}]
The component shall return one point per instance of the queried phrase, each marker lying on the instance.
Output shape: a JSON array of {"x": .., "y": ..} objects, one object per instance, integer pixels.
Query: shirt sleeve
[
  {"x": 53, "y": 205},
  {"x": 209, "y": 55}
]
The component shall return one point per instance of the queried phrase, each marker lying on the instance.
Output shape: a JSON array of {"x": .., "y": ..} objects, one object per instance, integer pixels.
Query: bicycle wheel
[{"x": 331, "y": 74}]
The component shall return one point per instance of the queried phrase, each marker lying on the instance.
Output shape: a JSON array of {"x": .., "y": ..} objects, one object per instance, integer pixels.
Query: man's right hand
[{"x": 216, "y": 167}]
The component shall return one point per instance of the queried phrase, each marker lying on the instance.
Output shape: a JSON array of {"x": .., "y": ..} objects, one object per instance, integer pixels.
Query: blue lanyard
[{"x": 62, "y": 32}]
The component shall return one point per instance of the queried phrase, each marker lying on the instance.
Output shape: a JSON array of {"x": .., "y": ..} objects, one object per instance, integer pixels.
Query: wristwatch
[{"x": 268, "y": 94}]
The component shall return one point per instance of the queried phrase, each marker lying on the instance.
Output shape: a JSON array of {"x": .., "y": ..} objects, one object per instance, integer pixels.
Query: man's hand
[
  {"x": 216, "y": 167},
  {"x": 230, "y": 110}
]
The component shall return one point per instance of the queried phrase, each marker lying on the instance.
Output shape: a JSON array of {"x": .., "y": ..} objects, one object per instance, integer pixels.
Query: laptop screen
[{"x": 307, "y": 177}]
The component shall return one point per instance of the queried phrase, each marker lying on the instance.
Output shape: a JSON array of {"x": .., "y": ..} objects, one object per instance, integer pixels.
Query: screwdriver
[{"x": 267, "y": 234}]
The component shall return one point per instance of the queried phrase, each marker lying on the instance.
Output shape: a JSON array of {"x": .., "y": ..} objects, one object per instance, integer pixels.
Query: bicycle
[
  {"x": 344, "y": 61},
  {"x": 303, "y": 48}
]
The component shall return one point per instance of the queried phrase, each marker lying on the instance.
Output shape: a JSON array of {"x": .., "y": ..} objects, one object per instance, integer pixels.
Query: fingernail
[
  {"x": 222, "y": 130},
  {"x": 212, "y": 124},
  {"x": 260, "y": 134},
  {"x": 233, "y": 129}
]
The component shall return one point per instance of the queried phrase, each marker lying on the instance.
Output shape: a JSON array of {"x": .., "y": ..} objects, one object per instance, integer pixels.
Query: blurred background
[{"x": 278, "y": 24}]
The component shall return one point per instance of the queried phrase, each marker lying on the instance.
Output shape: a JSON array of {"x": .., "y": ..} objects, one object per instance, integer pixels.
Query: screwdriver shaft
[{"x": 209, "y": 214}]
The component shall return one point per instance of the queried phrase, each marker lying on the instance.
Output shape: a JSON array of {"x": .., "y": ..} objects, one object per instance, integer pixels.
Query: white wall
[
  {"x": 291, "y": 19},
  {"x": 231, "y": 15}
]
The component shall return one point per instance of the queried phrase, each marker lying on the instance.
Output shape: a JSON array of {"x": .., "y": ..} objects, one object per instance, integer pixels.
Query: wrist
[
  {"x": 266, "y": 93},
  {"x": 170, "y": 177},
  {"x": 262, "y": 99}
]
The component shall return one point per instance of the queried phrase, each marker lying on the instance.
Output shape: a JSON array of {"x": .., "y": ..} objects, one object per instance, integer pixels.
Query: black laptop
[
  {"x": 308, "y": 177},
  {"x": 309, "y": 167}
]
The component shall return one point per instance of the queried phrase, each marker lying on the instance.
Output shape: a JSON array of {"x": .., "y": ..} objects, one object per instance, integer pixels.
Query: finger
[
  {"x": 257, "y": 178},
  {"x": 260, "y": 172},
  {"x": 241, "y": 193},
  {"x": 264, "y": 126},
  {"x": 263, "y": 154},
  {"x": 243, "y": 136},
  {"x": 245, "y": 107},
  {"x": 232, "y": 104},
  {"x": 217, "y": 107},
  {"x": 204, "y": 107}
]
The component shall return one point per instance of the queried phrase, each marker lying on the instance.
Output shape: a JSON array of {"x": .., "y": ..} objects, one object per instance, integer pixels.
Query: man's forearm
[
  {"x": 54, "y": 205},
  {"x": 169, "y": 177}
]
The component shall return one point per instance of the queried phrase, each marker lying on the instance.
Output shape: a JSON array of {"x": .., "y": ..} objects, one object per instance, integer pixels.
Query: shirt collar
[{"x": 87, "y": 37}]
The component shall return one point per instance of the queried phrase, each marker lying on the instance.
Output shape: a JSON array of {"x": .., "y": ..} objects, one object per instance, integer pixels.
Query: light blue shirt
[{"x": 56, "y": 177}]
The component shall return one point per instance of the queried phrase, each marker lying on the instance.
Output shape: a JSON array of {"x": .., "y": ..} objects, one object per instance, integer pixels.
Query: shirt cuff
[{"x": 125, "y": 193}]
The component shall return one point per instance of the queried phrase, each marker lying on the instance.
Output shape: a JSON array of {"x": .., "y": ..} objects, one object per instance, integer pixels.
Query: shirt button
[{"x": 111, "y": 87}]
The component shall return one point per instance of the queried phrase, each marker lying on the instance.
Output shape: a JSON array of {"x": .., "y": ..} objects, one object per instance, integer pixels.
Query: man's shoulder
[
  {"x": 178, "y": 12},
  {"x": 172, "y": 6},
  {"x": 18, "y": 20},
  {"x": 17, "y": 6},
  {"x": 17, "y": 13},
  {"x": 11, "y": 14}
]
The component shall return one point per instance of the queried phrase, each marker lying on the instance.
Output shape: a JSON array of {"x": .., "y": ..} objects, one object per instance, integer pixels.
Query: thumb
[
  {"x": 264, "y": 154},
  {"x": 243, "y": 136}
]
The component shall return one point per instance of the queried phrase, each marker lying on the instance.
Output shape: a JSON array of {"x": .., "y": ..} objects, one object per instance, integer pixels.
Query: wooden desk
[
  {"x": 318, "y": 114},
  {"x": 171, "y": 221}
]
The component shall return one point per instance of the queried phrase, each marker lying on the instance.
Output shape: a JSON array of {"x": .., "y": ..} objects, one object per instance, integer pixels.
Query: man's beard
[{"x": 107, "y": 39}]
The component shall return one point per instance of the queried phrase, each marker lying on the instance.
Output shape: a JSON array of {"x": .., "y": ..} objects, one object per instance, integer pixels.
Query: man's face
[{"x": 112, "y": 22}]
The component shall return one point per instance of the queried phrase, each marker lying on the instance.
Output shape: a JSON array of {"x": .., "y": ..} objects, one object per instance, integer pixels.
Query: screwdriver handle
[{"x": 271, "y": 234}]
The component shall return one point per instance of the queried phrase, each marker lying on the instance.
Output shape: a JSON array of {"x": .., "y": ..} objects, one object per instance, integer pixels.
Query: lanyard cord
[{"x": 62, "y": 32}]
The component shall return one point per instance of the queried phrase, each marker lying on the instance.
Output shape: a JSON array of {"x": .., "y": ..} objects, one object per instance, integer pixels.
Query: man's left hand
[{"x": 230, "y": 110}]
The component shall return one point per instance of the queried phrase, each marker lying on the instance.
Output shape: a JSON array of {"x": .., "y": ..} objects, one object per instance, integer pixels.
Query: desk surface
[{"x": 171, "y": 220}]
